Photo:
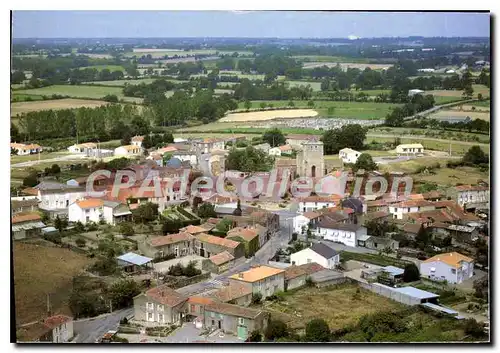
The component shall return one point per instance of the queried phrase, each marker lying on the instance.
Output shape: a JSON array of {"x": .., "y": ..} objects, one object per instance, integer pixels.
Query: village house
[
  {"x": 54, "y": 329},
  {"x": 128, "y": 150},
  {"x": 193, "y": 230},
  {"x": 380, "y": 243},
  {"x": 400, "y": 209},
  {"x": 132, "y": 262},
  {"x": 235, "y": 319},
  {"x": 346, "y": 234},
  {"x": 160, "y": 305},
  {"x": 247, "y": 236},
  {"x": 195, "y": 306},
  {"x": 180, "y": 244},
  {"x": 218, "y": 263},
  {"x": 319, "y": 253},
  {"x": 296, "y": 140},
  {"x": 412, "y": 148},
  {"x": 207, "y": 245},
  {"x": 471, "y": 196},
  {"x": 315, "y": 202},
  {"x": 234, "y": 293},
  {"x": 82, "y": 147},
  {"x": 22, "y": 149},
  {"x": 28, "y": 205},
  {"x": 347, "y": 155},
  {"x": 301, "y": 221},
  {"x": 55, "y": 197},
  {"x": 264, "y": 147},
  {"x": 281, "y": 150},
  {"x": 26, "y": 225},
  {"x": 262, "y": 279},
  {"x": 209, "y": 144},
  {"x": 452, "y": 267},
  {"x": 85, "y": 211},
  {"x": 296, "y": 276},
  {"x": 137, "y": 140}
]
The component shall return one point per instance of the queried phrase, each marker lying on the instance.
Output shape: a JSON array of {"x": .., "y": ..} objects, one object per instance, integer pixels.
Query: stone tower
[{"x": 310, "y": 160}]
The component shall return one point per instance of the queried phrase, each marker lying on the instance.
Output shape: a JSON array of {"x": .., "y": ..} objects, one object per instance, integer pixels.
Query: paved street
[{"x": 88, "y": 330}]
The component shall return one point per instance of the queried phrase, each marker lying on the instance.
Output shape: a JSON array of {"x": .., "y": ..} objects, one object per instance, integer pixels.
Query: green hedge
[{"x": 374, "y": 259}]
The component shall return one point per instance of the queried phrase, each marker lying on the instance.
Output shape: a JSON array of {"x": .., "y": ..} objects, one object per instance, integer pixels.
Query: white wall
[
  {"x": 313, "y": 206},
  {"x": 298, "y": 222},
  {"x": 63, "y": 333},
  {"x": 472, "y": 196},
  {"x": 53, "y": 200},
  {"x": 307, "y": 256},
  {"x": 345, "y": 237},
  {"x": 275, "y": 151},
  {"x": 75, "y": 214},
  {"x": 444, "y": 271},
  {"x": 349, "y": 157},
  {"x": 398, "y": 212}
]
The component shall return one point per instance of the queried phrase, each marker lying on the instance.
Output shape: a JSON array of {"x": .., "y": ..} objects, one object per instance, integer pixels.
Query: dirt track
[{"x": 269, "y": 115}]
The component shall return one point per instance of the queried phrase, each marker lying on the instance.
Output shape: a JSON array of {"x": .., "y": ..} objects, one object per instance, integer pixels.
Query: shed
[
  {"x": 132, "y": 262},
  {"x": 418, "y": 294}
]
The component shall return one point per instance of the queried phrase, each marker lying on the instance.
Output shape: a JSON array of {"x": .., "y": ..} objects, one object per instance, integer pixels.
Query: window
[
  {"x": 150, "y": 316},
  {"x": 150, "y": 306},
  {"x": 160, "y": 318},
  {"x": 453, "y": 271},
  {"x": 241, "y": 321},
  {"x": 309, "y": 261},
  {"x": 160, "y": 307}
]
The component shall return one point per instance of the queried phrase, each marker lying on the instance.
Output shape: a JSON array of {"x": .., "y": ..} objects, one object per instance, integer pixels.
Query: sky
[{"x": 281, "y": 24}]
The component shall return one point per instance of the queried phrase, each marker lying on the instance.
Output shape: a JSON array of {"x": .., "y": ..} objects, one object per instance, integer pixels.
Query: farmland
[
  {"x": 56, "y": 104},
  {"x": 347, "y": 65},
  {"x": 103, "y": 67},
  {"x": 269, "y": 115},
  {"x": 337, "y": 305},
  {"x": 483, "y": 115},
  {"x": 121, "y": 83},
  {"x": 353, "y": 110},
  {"x": 315, "y": 85},
  {"x": 78, "y": 91},
  {"x": 38, "y": 272}
]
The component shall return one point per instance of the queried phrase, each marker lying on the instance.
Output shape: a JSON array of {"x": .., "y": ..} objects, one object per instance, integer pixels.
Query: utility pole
[
  {"x": 110, "y": 306},
  {"x": 450, "y": 149},
  {"x": 48, "y": 305}
]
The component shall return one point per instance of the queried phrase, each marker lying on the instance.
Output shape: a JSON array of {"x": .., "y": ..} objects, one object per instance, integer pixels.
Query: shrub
[
  {"x": 473, "y": 328},
  {"x": 411, "y": 273},
  {"x": 317, "y": 330},
  {"x": 80, "y": 242},
  {"x": 255, "y": 336},
  {"x": 256, "y": 298},
  {"x": 126, "y": 229},
  {"x": 275, "y": 330}
]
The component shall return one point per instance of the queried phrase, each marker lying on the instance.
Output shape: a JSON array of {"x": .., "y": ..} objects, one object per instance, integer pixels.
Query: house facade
[
  {"x": 399, "y": 210},
  {"x": 26, "y": 225},
  {"x": 262, "y": 279},
  {"x": 207, "y": 245},
  {"x": 346, "y": 234},
  {"x": 128, "y": 150},
  {"x": 469, "y": 195},
  {"x": 85, "y": 211},
  {"x": 180, "y": 244},
  {"x": 160, "y": 305},
  {"x": 347, "y": 155},
  {"x": 452, "y": 267},
  {"x": 318, "y": 253},
  {"x": 82, "y": 147},
  {"x": 55, "y": 198},
  {"x": 412, "y": 148},
  {"x": 22, "y": 149}
]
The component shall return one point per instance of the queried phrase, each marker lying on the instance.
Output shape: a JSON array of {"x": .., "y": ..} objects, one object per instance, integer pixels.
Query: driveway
[{"x": 88, "y": 330}]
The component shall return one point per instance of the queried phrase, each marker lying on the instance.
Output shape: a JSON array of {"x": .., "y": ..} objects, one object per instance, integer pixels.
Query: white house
[
  {"x": 399, "y": 210},
  {"x": 90, "y": 210},
  {"x": 115, "y": 212},
  {"x": 346, "y": 234},
  {"x": 275, "y": 151},
  {"x": 56, "y": 197},
  {"x": 467, "y": 194},
  {"x": 128, "y": 150},
  {"x": 23, "y": 149},
  {"x": 137, "y": 140},
  {"x": 82, "y": 147},
  {"x": 320, "y": 253},
  {"x": 426, "y": 70},
  {"x": 281, "y": 150},
  {"x": 303, "y": 220},
  {"x": 452, "y": 267},
  {"x": 61, "y": 326},
  {"x": 207, "y": 145},
  {"x": 314, "y": 202},
  {"x": 348, "y": 155},
  {"x": 412, "y": 148},
  {"x": 413, "y": 92}
]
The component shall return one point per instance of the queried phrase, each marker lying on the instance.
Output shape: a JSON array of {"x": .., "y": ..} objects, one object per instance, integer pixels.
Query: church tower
[{"x": 310, "y": 160}]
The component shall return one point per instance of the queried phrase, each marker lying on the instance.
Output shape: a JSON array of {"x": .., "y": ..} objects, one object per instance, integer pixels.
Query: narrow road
[
  {"x": 420, "y": 137},
  {"x": 50, "y": 160},
  {"x": 88, "y": 330}
]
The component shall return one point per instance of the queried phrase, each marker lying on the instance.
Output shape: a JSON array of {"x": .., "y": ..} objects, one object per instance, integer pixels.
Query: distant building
[
  {"x": 452, "y": 267},
  {"x": 23, "y": 149},
  {"x": 82, "y": 147},
  {"x": 26, "y": 225},
  {"x": 348, "y": 155},
  {"x": 128, "y": 150},
  {"x": 137, "y": 141},
  {"x": 319, "y": 253},
  {"x": 426, "y": 70},
  {"x": 261, "y": 279},
  {"x": 411, "y": 148},
  {"x": 413, "y": 92}
]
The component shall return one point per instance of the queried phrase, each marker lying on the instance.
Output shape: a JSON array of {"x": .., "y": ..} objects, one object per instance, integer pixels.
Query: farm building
[
  {"x": 22, "y": 149},
  {"x": 319, "y": 253},
  {"x": 26, "y": 225},
  {"x": 413, "y": 92},
  {"x": 412, "y": 148},
  {"x": 265, "y": 280},
  {"x": 128, "y": 150},
  {"x": 137, "y": 141},
  {"x": 82, "y": 147},
  {"x": 218, "y": 263},
  {"x": 348, "y": 155},
  {"x": 131, "y": 262}
]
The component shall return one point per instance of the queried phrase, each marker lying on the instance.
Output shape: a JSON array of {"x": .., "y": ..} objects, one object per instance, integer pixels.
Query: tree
[
  {"x": 411, "y": 273},
  {"x": 262, "y": 105},
  {"x": 423, "y": 237},
  {"x": 127, "y": 137},
  {"x": 365, "y": 162},
  {"x": 80, "y": 242},
  {"x": 255, "y": 336},
  {"x": 468, "y": 91},
  {"x": 237, "y": 211},
  {"x": 166, "y": 157},
  {"x": 146, "y": 212},
  {"x": 275, "y": 330},
  {"x": 14, "y": 133},
  {"x": 206, "y": 210},
  {"x": 310, "y": 104},
  {"x": 31, "y": 179},
  {"x": 291, "y": 104},
  {"x": 60, "y": 223},
  {"x": 122, "y": 293},
  {"x": 248, "y": 104},
  {"x": 17, "y": 77},
  {"x": 475, "y": 155},
  {"x": 126, "y": 229},
  {"x": 479, "y": 97},
  {"x": 55, "y": 169},
  {"x": 170, "y": 226},
  {"x": 317, "y": 330},
  {"x": 474, "y": 328},
  {"x": 350, "y": 136},
  {"x": 110, "y": 98},
  {"x": 256, "y": 298},
  {"x": 249, "y": 160},
  {"x": 274, "y": 137},
  {"x": 481, "y": 288},
  {"x": 225, "y": 225}
]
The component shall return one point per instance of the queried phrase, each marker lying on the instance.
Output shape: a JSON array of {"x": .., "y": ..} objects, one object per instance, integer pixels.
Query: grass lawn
[
  {"x": 22, "y": 97},
  {"x": 40, "y": 271},
  {"x": 446, "y": 99},
  {"x": 158, "y": 53},
  {"x": 373, "y": 92},
  {"x": 34, "y": 157},
  {"x": 102, "y": 67},
  {"x": 337, "y": 305},
  {"x": 486, "y": 103},
  {"x": 79, "y": 91},
  {"x": 351, "y": 110},
  {"x": 327, "y": 58},
  {"x": 121, "y": 83}
]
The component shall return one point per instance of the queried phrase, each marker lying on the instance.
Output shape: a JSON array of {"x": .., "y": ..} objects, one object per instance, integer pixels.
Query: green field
[
  {"x": 102, "y": 67},
  {"x": 121, "y": 83},
  {"x": 20, "y": 97},
  {"x": 77, "y": 91},
  {"x": 443, "y": 99},
  {"x": 351, "y": 110},
  {"x": 158, "y": 53},
  {"x": 485, "y": 104},
  {"x": 373, "y": 92},
  {"x": 327, "y": 58},
  {"x": 315, "y": 85}
]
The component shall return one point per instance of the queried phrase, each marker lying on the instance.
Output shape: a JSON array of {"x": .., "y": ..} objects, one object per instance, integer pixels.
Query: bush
[
  {"x": 473, "y": 328},
  {"x": 256, "y": 298},
  {"x": 122, "y": 293},
  {"x": 275, "y": 330},
  {"x": 411, "y": 273},
  {"x": 126, "y": 229},
  {"x": 317, "y": 330},
  {"x": 255, "y": 336},
  {"x": 80, "y": 242}
]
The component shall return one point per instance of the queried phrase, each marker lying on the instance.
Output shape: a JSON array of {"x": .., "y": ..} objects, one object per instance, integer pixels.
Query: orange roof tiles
[
  {"x": 217, "y": 241},
  {"x": 200, "y": 300},
  {"x": 90, "y": 203},
  {"x": 244, "y": 233},
  {"x": 257, "y": 274},
  {"x": 221, "y": 258},
  {"x": 166, "y": 295},
  {"x": 452, "y": 259},
  {"x": 56, "y": 320},
  {"x": 233, "y": 291},
  {"x": 193, "y": 229},
  {"x": 170, "y": 239},
  {"x": 26, "y": 217},
  {"x": 306, "y": 269}
]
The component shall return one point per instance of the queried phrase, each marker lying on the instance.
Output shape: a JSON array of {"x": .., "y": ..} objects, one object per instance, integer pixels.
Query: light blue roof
[
  {"x": 395, "y": 271},
  {"x": 440, "y": 308},
  {"x": 134, "y": 258},
  {"x": 417, "y": 293}
]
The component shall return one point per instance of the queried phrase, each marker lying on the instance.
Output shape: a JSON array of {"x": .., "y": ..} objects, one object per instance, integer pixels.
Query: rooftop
[
  {"x": 170, "y": 239},
  {"x": 26, "y": 217},
  {"x": 306, "y": 269},
  {"x": 135, "y": 259},
  {"x": 453, "y": 259},
  {"x": 329, "y": 224},
  {"x": 416, "y": 293},
  {"x": 90, "y": 203},
  {"x": 193, "y": 229},
  {"x": 395, "y": 271},
  {"x": 233, "y": 310},
  {"x": 323, "y": 250},
  {"x": 233, "y": 291},
  {"x": 166, "y": 295},
  {"x": 257, "y": 273},
  {"x": 200, "y": 300},
  {"x": 217, "y": 241},
  {"x": 221, "y": 258},
  {"x": 56, "y": 320},
  {"x": 244, "y": 233}
]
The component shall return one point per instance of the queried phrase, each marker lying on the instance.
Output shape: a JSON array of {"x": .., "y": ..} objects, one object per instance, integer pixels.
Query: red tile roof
[
  {"x": 56, "y": 320},
  {"x": 244, "y": 233},
  {"x": 200, "y": 300},
  {"x": 221, "y": 258},
  {"x": 90, "y": 203},
  {"x": 234, "y": 290},
  {"x": 170, "y": 239},
  {"x": 217, "y": 241},
  {"x": 306, "y": 269},
  {"x": 26, "y": 217},
  {"x": 166, "y": 295}
]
